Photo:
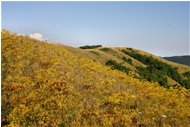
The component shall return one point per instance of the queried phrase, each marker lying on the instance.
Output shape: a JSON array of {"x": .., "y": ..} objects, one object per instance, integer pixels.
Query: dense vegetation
[
  {"x": 179, "y": 59},
  {"x": 90, "y": 46},
  {"x": 187, "y": 74},
  {"x": 157, "y": 70},
  {"x": 118, "y": 66},
  {"x": 152, "y": 74},
  {"x": 127, "y": 60},
  {"x": 45, "y": 85}
]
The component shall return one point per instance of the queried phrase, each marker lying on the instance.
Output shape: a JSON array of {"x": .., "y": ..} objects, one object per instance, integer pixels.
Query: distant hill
[
  {"x": 53, "y": 85},
  {"x": 179, "y": 59}
]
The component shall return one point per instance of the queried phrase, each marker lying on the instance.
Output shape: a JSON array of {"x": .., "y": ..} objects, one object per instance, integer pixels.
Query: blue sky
[{"x": 161, "y": 28}]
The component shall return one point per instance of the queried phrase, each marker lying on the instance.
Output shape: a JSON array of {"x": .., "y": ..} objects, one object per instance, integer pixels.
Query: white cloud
[
  {"x": 37, "y": 36},
  {"x": 21, "y": 34}
]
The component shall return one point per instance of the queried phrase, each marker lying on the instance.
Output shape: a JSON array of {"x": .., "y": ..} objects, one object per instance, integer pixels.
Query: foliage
[
  {"x": 90, "y": 46},
  {"x": 118, "y": 66},
  {"x": 127, "y": 60},
  {"x": 186, "y": 83},
  {"x": 130, "y": 49},
  {"x": 186, "y": 80},
  {"x": 157, "y": 66},
  {"x": 187, "y": 74},
  {"x": 46, "y": 85},
  {"x": 152, "y": 74}
]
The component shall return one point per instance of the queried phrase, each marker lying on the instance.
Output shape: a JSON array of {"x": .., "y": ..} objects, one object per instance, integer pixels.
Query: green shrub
[
  {"x": 155, "y": 66},
  {"x": 185, "y": 83},
  {"x": 153, "y": 75},
  {"x": 187, "y": 74},
  {"x": 90, "y": 47},
  {"x": 127, "y": 60},
  {"x": 117, "y": 66}
]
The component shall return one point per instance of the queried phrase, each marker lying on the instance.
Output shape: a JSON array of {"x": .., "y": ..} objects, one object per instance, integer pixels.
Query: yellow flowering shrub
[{"x": 46, "y": 85}]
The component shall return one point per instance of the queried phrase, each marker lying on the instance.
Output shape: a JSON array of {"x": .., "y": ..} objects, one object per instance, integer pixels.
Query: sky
[{"x": 161, "y": 28}]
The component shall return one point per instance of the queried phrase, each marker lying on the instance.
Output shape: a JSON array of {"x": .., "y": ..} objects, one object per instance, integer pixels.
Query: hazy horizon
[{"x": 161, "y": 28}]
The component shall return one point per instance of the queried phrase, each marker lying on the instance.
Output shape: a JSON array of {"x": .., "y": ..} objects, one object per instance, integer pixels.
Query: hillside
[
  {"x": 179, "y": 59},
  {"x": 47, "y": 84},
  {"x": 140, "y": 63}
]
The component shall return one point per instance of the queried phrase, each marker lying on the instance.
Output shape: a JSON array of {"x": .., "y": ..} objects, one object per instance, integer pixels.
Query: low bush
[
  {"x": 90, "y": 47},
  {"x": 118, "y": 66},
  {"x": 127, "y": 60}
]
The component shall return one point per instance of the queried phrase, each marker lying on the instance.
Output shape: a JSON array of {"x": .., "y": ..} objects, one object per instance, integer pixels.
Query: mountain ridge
[{"x": 184, "y": 59}]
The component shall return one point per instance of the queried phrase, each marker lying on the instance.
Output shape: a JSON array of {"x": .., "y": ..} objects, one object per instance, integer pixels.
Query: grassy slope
[
  {"x": 181, "y": 68},
  {"x": 47, "y": 85},
  {"x": 102, "y": 54},
  {"x": 106, "y": 55}
]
